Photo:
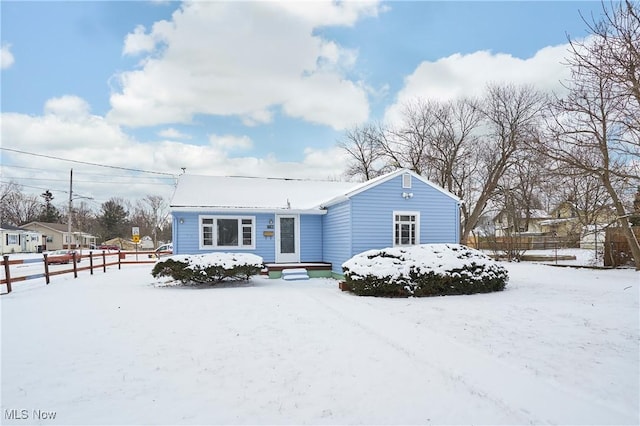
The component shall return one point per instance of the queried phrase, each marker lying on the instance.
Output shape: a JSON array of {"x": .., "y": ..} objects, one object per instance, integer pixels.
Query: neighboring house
[
  {"x": 566, "y": 220},
  {"x": 10, "y": 241},
  {"x": 302, "y": 221},
  {"x": 563, "y": 222},
  {"x": 505, "y": 222},
  {"x": 56, "y": 235},
  {"x": 16, "y": 240}
]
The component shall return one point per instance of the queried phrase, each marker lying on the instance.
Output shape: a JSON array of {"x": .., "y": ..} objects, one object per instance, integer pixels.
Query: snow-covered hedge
[
  {"x": 208, "y": 268},
  {"x": 423, "y": 270}
]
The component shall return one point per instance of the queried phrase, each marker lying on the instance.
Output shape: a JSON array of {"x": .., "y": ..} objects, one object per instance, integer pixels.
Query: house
[
  {"x": 56, "y": 235},
  {"x": 510, "y": 223},
  {"x": 292, "y": 221},
  {"x": 16, "y": 240}
]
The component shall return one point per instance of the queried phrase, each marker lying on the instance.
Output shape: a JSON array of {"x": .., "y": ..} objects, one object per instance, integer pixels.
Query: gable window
[
  {"x": 406, "y": 181},
  {"x": 227, "y": 232},
  {"x": 406, "y": 228}
]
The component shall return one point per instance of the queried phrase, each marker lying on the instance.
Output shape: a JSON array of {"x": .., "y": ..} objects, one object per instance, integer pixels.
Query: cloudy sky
[{"x": 133, "y": 92}]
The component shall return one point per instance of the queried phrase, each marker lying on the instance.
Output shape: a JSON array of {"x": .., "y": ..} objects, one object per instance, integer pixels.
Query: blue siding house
[{"x": 297, "y": 222}]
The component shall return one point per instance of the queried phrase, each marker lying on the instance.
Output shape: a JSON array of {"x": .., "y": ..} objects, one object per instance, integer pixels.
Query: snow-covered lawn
[{"x": 559, "y": 345}]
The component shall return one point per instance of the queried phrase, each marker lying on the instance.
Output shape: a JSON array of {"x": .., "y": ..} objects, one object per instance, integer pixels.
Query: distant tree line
[
  {"x": 517, "y": 149},
  {"x": 115, "y": 218}
]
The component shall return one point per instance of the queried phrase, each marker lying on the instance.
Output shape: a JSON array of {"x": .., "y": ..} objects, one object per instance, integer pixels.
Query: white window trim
[
  {"x": 393, "y": 227},
  {"x": 406, "y": 181},
  {"x": 214, "y": 236}
]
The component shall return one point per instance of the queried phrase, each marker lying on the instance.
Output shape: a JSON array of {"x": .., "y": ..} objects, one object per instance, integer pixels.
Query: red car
[{"x": 63, "y": 256}]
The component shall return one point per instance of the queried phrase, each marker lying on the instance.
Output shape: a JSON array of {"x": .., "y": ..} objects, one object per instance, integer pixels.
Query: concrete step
[{"x": 294, "y": 274}]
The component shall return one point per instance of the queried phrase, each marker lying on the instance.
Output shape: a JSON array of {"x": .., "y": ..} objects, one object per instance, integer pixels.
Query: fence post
[
  {"x": 7, "y": 274},
  {"x": 104, "y": 262},
  {"x": 75, "y": 266},
  {"x": 119, "y": 260},
  {"x": 91, "y": 263},
  {"x": 46, "y": 268}
]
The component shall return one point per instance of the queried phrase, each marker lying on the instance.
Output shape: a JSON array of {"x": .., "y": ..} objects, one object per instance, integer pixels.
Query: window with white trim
[
  {"x": 231, "y": 232},
  {"x": 406, "y": 228}
]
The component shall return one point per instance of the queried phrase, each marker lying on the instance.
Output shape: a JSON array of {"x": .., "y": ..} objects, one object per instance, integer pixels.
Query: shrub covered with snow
[
  {"x": 208, "y": 268},
  {"x": 423, "y": 270}
]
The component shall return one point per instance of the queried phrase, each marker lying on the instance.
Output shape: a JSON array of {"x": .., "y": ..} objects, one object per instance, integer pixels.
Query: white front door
[{"x": 287, "y": 238}]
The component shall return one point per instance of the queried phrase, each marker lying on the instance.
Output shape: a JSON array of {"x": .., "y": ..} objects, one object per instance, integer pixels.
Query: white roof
[{"x": 255, "y": 193}]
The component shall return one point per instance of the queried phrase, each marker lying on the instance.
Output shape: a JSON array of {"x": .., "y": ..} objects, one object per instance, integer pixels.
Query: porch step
[{"x": 294, "y": 274}]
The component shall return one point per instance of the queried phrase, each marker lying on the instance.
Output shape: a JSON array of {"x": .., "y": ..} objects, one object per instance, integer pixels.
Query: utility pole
[{"x": 70, "y": 207}]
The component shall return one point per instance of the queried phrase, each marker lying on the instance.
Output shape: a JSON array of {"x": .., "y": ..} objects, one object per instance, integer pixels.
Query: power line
[
  {"x": 85, "y": 162},
  {"x": 85, "y": 181},
  {"x": 40, "y": 169}
]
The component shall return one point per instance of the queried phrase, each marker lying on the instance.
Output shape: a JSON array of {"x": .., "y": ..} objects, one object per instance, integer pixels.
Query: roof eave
[{"x": 245, "y": 210}]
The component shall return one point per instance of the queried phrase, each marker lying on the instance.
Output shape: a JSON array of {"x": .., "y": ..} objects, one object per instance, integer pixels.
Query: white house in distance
[
  {"x": 16, "y": 240},
  {"x": 296, "y": 222}
]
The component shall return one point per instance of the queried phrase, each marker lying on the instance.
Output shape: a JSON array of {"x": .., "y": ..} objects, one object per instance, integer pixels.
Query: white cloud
[
  {"x": 67, "y": 107},
  {"x": 6, "y": 57},
  {"x": 171, "y": 133},
  {"x": 243, "y": 59},
  {"x": 459, "y": 75},
  {"x": 323, "y": 13},
  {"x": 138, "y": 42},
  {"x": 68, "y": 130},
  {"x": 230, "y": 142}
]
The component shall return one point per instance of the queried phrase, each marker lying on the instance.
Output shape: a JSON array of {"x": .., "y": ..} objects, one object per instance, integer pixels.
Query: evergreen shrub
[
  {"x": 209, "y": 268},
  {"x": 423, "y": 270}
]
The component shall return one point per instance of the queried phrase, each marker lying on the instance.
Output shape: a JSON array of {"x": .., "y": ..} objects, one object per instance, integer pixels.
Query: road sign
[{"x": 135, "y": 234}]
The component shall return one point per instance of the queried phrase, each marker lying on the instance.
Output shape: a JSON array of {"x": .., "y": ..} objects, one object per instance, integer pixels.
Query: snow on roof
[
  {"x": 237, "y": 192},
  {"x": 254, "y": 193}
]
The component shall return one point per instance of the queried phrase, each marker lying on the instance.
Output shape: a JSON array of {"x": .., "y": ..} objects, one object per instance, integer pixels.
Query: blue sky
[{"x": 244, "y": 88}]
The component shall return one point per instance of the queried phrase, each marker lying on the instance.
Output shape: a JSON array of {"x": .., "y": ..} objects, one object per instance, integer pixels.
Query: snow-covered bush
[
  {"x": 208, "y": 268},
  {"x": 423, "y": 270}
]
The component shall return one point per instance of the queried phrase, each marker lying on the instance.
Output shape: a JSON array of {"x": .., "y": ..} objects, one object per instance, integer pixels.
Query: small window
[{"x": 406, "y": 181}]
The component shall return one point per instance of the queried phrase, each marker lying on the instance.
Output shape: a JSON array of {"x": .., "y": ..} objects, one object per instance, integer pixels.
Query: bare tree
[
  {"x": 362, "y": 144},
  {"x": 614, "y": 52},
  {"x": 151, "y": 214},
  {"x": 511, "y": 115},
  {"x": 18, "y": 208},
  {"x": 464, "y": 146},
  {"x": 589, "y": 198},
  {"x": 592, "y": 130}
]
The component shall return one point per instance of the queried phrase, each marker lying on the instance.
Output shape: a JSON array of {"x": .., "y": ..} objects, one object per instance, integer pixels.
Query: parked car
[
  {"x": 108, "y": 247},
  {"x": 165, "y": 249},
  {"x": 63, "y": 256}
]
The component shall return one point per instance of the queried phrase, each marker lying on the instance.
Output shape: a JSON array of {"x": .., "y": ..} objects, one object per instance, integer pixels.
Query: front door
[{"x": 287, "y": 239}]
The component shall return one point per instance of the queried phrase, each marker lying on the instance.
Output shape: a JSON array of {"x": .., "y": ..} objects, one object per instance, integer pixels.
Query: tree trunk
[{"x": 624, "y": 222}]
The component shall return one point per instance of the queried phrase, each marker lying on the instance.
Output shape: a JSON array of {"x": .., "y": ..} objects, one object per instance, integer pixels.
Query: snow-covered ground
[{"x": 559, "y": 345}]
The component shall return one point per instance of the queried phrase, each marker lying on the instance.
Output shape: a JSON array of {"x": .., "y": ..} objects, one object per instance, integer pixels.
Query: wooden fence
[
  {"x": 97, "y": 261},
  {"x": 523, "y": 243},
  {"x": 616, "y": 247}
]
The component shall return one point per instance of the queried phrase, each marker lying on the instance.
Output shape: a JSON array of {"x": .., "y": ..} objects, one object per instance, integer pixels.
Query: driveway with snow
[{"x": 557, "y": 346}]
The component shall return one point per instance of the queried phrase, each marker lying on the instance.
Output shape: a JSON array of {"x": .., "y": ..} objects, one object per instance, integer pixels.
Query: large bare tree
[
  {"x": 511, "y": 117},
  {"x": 17, "y": 208},
  {"x": 465, "y": 146},
  {"x": 595, "y": 128}
]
